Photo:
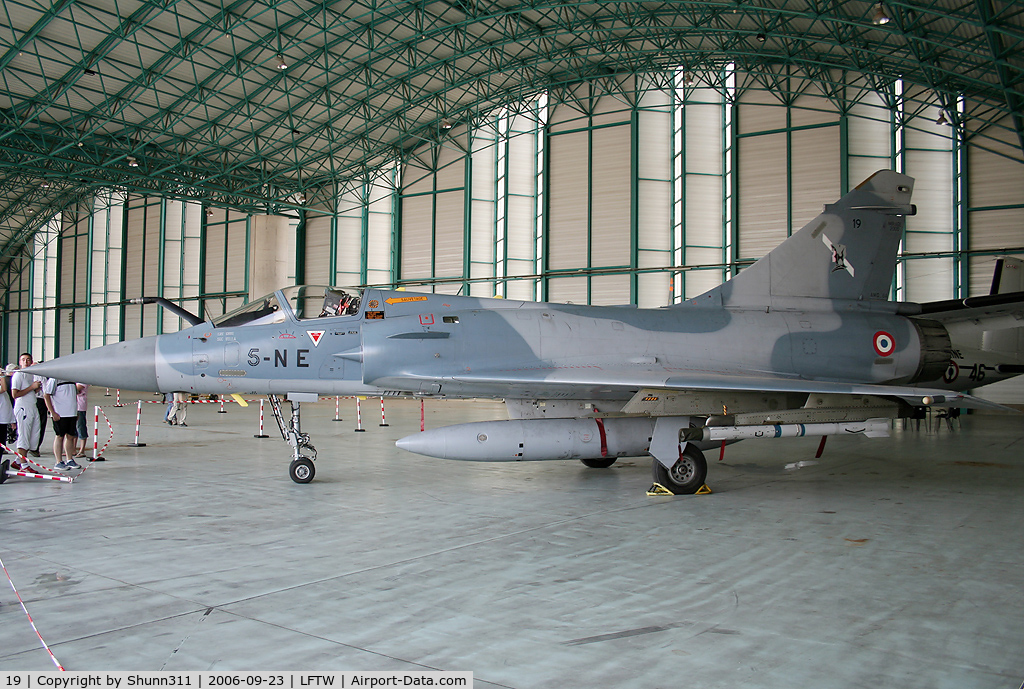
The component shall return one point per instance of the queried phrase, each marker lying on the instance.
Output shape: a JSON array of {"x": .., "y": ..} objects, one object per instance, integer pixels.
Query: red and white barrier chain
[
  {"x": 30, "y": 621},
  {"x": 28, "y": 460}
]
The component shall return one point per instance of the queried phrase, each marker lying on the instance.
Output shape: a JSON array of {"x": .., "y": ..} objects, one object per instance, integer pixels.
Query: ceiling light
[
  {"x": 942, "y": 118},
  {"x": 761, "y": 37},
  {"x": 879, "y": 16},
  {"x": 132, "y": 162},
  {"x": 446, "y": 124},
  {"x": 281, "y": 64}
]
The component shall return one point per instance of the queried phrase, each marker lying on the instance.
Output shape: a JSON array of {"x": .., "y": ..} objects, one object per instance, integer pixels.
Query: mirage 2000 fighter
[{"x": 803, "y": 342}]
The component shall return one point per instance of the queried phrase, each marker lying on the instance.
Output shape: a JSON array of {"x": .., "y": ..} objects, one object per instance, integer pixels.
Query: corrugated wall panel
[
  {"x": 609, "y": 290},
  {"x": 816, "y": 179},
  {"x": 521, "y": 242},
  {"x": 703, "y": 209},
  {"x": 703, "y": 137},
  {"x": 568, "y": 290},
  {"x": 993, "y": 181},
  {"x": 759, "y": 111},
  {"x": 349, "y": 244},
  {"x": 763, "y": 222},
  {"x": 996, "y": 229},
  {"x": 449, "y": 237},
  {"x": 567, "y": 200},
  {"x": 654, "y": 198},
  {"x": 483, "y": 210},
  {"x": 929, "y": 161},
  {"x": 611, "y": 240},
  {"x": 135, "y": 262},
  {"x": 318, "y": 250},
  {"x": 869, "y": 139},
  {"x": 379, "y": 245},
  {"x": 813, "y": 108},
  {"x": 417, "y": 214},
  {"x": 238, "y": 254}
]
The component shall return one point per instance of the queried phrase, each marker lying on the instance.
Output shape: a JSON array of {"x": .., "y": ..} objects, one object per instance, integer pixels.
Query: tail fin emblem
[{"x": 838, "y": 255}]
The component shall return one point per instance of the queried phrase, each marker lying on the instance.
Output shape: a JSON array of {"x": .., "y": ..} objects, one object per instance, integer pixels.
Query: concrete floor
[{"x": 892, "y": 562}]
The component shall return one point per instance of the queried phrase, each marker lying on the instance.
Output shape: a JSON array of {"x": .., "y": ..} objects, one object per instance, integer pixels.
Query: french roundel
[{"x": 884, "y": 343}]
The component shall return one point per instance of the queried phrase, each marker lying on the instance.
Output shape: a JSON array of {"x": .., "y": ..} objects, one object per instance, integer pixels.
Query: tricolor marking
[{"x": 884, "y": 343}]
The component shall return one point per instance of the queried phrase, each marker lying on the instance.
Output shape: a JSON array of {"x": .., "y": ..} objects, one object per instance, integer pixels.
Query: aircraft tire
[
  {"x": 4, "y": 466},
  {"x": 302, "y": 470},
  {"x": 602, "y": 463},
  {"x": 686, "y": 476}
]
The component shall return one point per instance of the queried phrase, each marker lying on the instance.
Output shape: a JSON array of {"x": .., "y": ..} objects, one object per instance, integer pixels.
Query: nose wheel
[{"x": 301, "y": 470}]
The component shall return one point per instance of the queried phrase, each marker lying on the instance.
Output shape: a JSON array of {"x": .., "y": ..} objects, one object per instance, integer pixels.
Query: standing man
[
  {"x": 6, "y": 410},
  {"x": 62, "y": 400},
  {"x": 24, "y": 387},
  {"x": 41, "y": 408}
]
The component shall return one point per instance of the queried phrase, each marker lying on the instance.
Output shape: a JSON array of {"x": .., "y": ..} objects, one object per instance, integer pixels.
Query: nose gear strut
[{"x": 301, "y": 469}]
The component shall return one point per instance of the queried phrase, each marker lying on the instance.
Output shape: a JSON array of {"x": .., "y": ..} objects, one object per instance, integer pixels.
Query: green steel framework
[{"x": 192, "y": 92}]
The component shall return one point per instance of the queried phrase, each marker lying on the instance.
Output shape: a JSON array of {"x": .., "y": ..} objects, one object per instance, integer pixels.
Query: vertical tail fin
[
  {"x": 1007, "y": 278},
  {"x": 847, "y": 252}
]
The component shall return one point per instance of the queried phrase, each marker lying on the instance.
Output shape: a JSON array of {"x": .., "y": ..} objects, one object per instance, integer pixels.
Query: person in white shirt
[
  {"x": 23, "y": 388},
  {"x": 62, "y": 402},
  {"x": 6, "y": 409}
]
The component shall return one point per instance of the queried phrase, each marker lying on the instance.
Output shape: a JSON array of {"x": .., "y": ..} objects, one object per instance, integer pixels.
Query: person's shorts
[
  {"x": 28, "y": 428},
  {"x": 66, "y": 425},
  {"x": 83, "y": 429}
]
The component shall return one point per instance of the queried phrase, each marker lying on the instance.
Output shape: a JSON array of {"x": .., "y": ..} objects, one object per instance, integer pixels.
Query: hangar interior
[{"x": 606, "y": 153}]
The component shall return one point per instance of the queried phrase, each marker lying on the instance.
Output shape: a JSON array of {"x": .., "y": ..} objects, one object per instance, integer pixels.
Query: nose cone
[
  {"x": 126, "y": 365},
  {"x": 431, "y": 443}
]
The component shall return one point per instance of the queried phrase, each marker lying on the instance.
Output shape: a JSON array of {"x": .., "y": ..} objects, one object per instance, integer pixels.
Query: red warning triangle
[{"x": 315, "y": 335}]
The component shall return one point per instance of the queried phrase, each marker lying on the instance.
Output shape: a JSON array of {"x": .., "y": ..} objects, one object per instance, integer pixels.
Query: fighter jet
[{"x": 803, "y": 342}]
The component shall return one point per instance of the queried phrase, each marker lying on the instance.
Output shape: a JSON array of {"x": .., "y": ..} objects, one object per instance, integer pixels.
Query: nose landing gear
[{"x": 301, "y": 469}]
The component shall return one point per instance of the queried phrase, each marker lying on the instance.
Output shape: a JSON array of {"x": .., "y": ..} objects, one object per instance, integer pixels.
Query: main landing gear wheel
[
  {"x": 302, "y": 470},
  {"x": 602, "y": 463},
  {"x": 686, "y": 476}
]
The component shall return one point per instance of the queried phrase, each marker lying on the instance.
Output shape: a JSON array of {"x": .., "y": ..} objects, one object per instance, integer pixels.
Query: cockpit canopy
[{"x": 302, "y": 302}]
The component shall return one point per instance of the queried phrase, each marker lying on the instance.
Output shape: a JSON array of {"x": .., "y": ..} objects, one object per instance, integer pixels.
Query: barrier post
[
  {"x": 138, "y": 425},
  {"x": 337, "y": 408},
  {"x": 359, "y": 417},
  {"x": 117, "y": 400},
  {"x": 261, "y": 434},
  {"x": 422, "y": 417},
  {"x": 96, "y": 435},
  {"x": 222, "y": 409},
  {"x": 383, "y": 421}
]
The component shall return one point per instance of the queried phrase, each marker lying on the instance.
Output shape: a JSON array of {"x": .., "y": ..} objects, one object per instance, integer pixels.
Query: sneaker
[
  {"x": 61, "y": 466},
  {"x": 17, "y": 467},
  {"x": 72, "y": 464},
  {"x": 34, "y": 453}
]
